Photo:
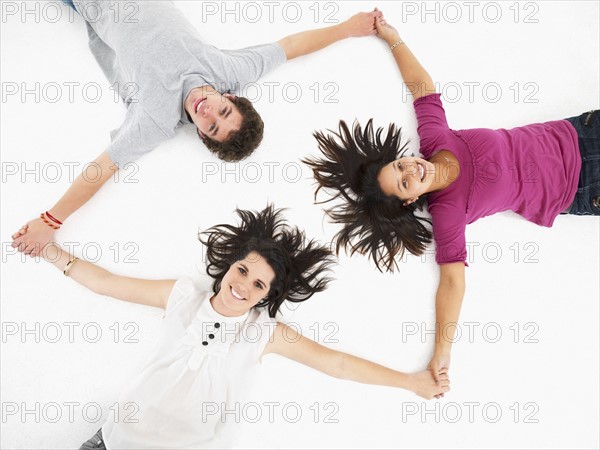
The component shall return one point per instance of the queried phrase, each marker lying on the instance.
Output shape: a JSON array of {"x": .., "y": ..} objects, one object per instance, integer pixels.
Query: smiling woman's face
[
  {"x": 246, "y": 283},
  {"x": 407, "y": 178}
]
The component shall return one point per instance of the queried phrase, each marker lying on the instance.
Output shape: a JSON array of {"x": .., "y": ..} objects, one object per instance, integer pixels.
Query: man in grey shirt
[{"x": 167, "y": 76}]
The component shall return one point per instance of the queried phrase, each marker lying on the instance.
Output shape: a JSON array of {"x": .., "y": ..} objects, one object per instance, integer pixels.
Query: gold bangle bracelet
[
  {"x": 69, "y": 265},
  {"x": 400, "y": 42}
]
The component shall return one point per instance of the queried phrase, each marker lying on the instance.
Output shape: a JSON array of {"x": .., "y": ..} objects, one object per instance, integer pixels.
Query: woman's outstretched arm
[
  {"x": 361, "y": 24},
  {"x": 448, "y": 302},
  {"x": 145, "y": 292},
  {"x": 415, "y": 77},
  {"x": 291, "y": 344},
  {"x": 33, "y": 236}
]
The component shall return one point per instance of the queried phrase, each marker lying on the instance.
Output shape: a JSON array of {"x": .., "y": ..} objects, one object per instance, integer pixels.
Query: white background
[{"x": 545, "y": 385}]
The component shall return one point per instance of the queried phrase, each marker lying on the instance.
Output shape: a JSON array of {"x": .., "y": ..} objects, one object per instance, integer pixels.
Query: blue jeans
[
  {"x": 587, "y": 199},
  {"x": 96, "y": 442},
  {"x": 69, "y": 3}
]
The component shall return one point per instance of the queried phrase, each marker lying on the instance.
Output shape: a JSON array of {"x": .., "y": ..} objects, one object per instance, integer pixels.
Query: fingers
[
  {"x": 19, "y": 244},
  {"x": 21, "y": 231},
  {"x": 380, "y": 23},
  {"x": 27, "y": 248},
  {"x": 436, "y": 375},
  {"x": 33, "y": 249},
  {"x": 30, "y": 249},
  {"x": 441, "y": 390}
]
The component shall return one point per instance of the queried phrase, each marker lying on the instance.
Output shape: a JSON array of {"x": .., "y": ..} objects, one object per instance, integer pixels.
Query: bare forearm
[
  {"x": 448, "y": 303},
  {"x": 291, "y": 344},
  {"x": 87, "y": 274},
  {"x": 416, "y": 78},
  {"x": 361, "y": 370},
  {"x": 135, "y": 290},
  {"x": 84, "y": 187},
  {"x": 313, "y": 40}
]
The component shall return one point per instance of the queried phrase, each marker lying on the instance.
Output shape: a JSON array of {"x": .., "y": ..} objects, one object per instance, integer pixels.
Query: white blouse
[{"x": 200, "y": 361}]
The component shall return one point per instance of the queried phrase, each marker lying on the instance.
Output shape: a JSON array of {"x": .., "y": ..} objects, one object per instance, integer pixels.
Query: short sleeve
[
  {"x": 137, "y": 135},
  {"x": 432, "y": 124},
  {"x": 182, "y": 294},
  {"x": 259, "y": 332},
  {"x": 252, "y": 63},
  {"x": 449, "y": 228}
]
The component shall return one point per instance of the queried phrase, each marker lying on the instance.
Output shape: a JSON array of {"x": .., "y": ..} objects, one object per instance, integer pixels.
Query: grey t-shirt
[{"x": 153, "y": 55}]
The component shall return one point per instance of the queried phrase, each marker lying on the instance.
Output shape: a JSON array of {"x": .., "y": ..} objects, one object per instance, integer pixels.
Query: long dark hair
[
  {"x": 374, "y": 224},
  {"x": 299, "y": 265}
]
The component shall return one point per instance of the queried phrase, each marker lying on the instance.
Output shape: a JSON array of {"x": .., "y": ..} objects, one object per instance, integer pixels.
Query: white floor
[{"x": 525, "y": 370}]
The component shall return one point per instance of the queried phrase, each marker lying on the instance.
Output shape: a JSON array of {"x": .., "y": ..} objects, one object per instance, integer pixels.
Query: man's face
[{"x": 214, "y": 114}]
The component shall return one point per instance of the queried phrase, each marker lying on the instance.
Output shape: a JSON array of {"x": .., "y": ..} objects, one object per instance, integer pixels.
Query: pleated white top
[{"x": 180, "y": 396}]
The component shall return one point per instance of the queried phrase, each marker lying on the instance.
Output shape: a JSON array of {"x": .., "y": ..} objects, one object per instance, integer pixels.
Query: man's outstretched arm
[
  {"x": 361, "y": 24},
  {"x": 34, "y": 235}
]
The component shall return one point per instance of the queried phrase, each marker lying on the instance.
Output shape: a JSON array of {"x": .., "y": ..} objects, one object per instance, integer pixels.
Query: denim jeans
[
  {"x": 95, "y": 442},
  {"x": 587, "y": 199},
  {"x": 69, "y": 3}
]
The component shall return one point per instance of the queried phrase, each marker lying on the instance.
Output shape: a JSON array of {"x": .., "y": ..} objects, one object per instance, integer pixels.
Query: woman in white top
[{"x": 211, "y": 340}]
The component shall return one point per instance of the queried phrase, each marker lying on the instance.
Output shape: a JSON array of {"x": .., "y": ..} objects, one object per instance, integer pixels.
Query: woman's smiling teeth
[
  {"x": 236, "y": 294},
  {"x": 421, "y": 171}
]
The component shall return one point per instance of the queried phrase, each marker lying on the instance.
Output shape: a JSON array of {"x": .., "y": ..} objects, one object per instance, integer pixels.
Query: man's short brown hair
[{"x": 241, "y": 143}]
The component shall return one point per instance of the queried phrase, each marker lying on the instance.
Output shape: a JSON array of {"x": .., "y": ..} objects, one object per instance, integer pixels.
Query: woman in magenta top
[
  {"x": 538, "y": 171},
  {"x": 531, "y": 170}
]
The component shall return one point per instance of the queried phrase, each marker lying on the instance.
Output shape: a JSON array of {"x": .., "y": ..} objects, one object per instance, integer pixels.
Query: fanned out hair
[
  {"x": 374, "y": 224},
  {"x": 299, "y": 265}
]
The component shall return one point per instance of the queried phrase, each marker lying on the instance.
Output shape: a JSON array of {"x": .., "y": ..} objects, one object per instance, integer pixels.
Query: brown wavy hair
[
  {"x": 239, "y": 144},
  {"x": 373, "y": 223}
]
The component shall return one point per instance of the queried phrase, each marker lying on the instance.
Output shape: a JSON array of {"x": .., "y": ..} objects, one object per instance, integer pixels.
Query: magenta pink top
[{"x": 531, "y": 170}]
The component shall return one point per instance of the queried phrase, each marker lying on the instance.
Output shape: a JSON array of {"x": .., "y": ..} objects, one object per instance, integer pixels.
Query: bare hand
[
  {"x": 32, "y": 237},
  {"x": 362, "y": 24},
  {"x": 384, "y": 30},
  {"x": 426, "y": 386},
  {"x": 439, "y": 365}
]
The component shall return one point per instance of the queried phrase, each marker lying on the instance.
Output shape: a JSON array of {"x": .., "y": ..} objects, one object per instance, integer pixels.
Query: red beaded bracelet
[
  {"x": 53, "y": 219},
  {"x": 54, "y": 227}
]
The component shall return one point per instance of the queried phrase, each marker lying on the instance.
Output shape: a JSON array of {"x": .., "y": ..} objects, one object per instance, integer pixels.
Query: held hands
[
  {"x": 439, "y": 366},
  {"x": 32, "y": 237},
  {"x": 426, "y": 386},
  {"x": 362, "y": 24},
  {"x": 384, "y": 30}
]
